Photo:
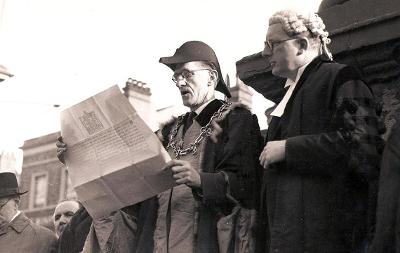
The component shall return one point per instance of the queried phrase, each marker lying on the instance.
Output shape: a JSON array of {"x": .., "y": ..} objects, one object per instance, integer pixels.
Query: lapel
[
  {"x": 19, "y": 223},
  {"x": 3, "y": 228},
  {"x": 273, "y": 129},
  {"x": 307, "y": 71},
  {"x": 204, "y": 117},
  {"x": 289, "y": 114},
  {"x": 211, "y": 149}
]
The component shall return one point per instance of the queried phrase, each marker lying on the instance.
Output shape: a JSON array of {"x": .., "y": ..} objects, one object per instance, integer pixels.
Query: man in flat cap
[
  {"x": 184, "y": 218},
  {"x": 18, "y": 234}
]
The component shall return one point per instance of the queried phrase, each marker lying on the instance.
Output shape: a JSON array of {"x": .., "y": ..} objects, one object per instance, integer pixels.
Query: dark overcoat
[
  {"x": 235, "y": 153},
  {"x": 387, "y": 233},
  {"x": 118, "y": 232},
  {"x": 317, "y": 199},
  {"x": 24, "y": 236},
  {"x": 75, "y": 232}
]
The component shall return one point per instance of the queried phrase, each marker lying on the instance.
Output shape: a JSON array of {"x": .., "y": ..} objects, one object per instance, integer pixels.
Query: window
[
  {"x": 39, "y": 190},
  {"x": 66, "y": 189}
]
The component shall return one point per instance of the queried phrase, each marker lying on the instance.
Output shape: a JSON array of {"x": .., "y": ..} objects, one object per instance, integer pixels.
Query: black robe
[{"x": 317, "y": 199}]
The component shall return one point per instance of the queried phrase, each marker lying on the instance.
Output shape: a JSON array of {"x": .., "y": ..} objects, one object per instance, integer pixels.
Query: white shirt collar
[
  {"x": 280, "y": 108},
  {"x": 15, "y": 215}
]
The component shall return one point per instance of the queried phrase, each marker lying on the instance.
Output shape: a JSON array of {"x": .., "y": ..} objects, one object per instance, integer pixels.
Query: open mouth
[{"x": 185, "y": 93}]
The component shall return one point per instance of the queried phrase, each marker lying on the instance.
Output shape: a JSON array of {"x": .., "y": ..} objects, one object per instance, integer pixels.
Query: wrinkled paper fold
[{"x": 113, "y": 158}]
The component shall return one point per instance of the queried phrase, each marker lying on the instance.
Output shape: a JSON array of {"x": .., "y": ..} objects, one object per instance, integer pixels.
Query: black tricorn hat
[
  {"x": 9, "y": 185},
  {"x": 196, "y": 51}
]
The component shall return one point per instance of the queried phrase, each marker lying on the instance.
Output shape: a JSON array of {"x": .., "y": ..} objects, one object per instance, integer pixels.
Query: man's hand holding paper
[
  {"x": 184, "y": 173},
  {"x": 114, "y": 159}
]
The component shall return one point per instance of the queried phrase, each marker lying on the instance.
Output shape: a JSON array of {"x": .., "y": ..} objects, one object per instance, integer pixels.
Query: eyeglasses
[
  {"x": 271, "y": 44},
  {"x": 186, "y": 74}
]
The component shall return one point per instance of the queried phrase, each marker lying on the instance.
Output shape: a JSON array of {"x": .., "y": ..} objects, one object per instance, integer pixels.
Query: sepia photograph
[{"x": 200, "y": 126}]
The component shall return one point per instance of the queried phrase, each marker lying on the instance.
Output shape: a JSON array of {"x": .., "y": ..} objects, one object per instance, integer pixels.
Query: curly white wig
[{"x": 295, "y": 23}]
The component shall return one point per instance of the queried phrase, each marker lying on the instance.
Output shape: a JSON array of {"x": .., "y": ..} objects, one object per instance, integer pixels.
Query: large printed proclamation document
[{"x": 113, "y": 158}]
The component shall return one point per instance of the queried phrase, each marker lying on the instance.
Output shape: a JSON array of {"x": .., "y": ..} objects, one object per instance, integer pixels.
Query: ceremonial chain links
[{"x": 204, "y": 132}]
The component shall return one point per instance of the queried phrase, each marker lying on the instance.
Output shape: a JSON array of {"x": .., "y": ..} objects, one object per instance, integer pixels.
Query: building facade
[{"x": 44, "y": 177}]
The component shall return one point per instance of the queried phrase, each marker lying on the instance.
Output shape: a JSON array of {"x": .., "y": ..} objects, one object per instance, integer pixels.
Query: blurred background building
[{"x": 44, "y": 177}]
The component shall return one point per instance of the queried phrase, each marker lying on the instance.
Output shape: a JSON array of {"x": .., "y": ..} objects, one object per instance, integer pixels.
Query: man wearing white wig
[{"x": 320, "y": 157}]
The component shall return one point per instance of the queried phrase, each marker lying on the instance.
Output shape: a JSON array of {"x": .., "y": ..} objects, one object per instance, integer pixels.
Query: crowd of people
[{"x": 310, "y": 186}]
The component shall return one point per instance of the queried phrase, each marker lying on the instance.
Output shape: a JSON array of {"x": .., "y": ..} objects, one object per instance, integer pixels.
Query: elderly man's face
[
  {"x": 283, "y": 52},
  {"x": 63, "y": 214},
  {"x": 198, "y": 85}
]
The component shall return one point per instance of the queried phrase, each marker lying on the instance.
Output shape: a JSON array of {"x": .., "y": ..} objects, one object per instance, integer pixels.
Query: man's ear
[
  {"x": 304, "y": 45},
  {"x": 16, "y": 201},
  {"x": 213, "y": 78}
]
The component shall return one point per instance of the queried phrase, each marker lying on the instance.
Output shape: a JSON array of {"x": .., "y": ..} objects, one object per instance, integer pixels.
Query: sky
[{"x": 64, "y": 51}]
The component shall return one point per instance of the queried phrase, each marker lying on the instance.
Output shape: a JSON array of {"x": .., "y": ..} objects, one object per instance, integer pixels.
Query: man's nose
[
  {"x": 266, "y": 52},
  {"x": 63, "y": 220},
  {"x": 180, "y": 81}
]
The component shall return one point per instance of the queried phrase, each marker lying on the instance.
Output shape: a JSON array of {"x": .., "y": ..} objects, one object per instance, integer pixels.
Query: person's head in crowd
[
  {"x": 9, "y": 196},
  {"x": 63, "y": 214},
  {"x": 197, "y": 73},
  {"x": 293, "y": 40},
  {"x": 18, "y": 232}
]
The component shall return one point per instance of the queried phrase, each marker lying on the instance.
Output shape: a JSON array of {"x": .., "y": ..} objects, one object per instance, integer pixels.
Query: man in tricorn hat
[
  {"x": 17, "y": 232},
  {"x": 184, "y": 218}
]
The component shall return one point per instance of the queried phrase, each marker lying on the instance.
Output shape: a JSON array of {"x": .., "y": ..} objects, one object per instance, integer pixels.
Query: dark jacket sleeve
[
  {"x": 236, "y": 153},
  {"x": 352, "y": 141}
]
